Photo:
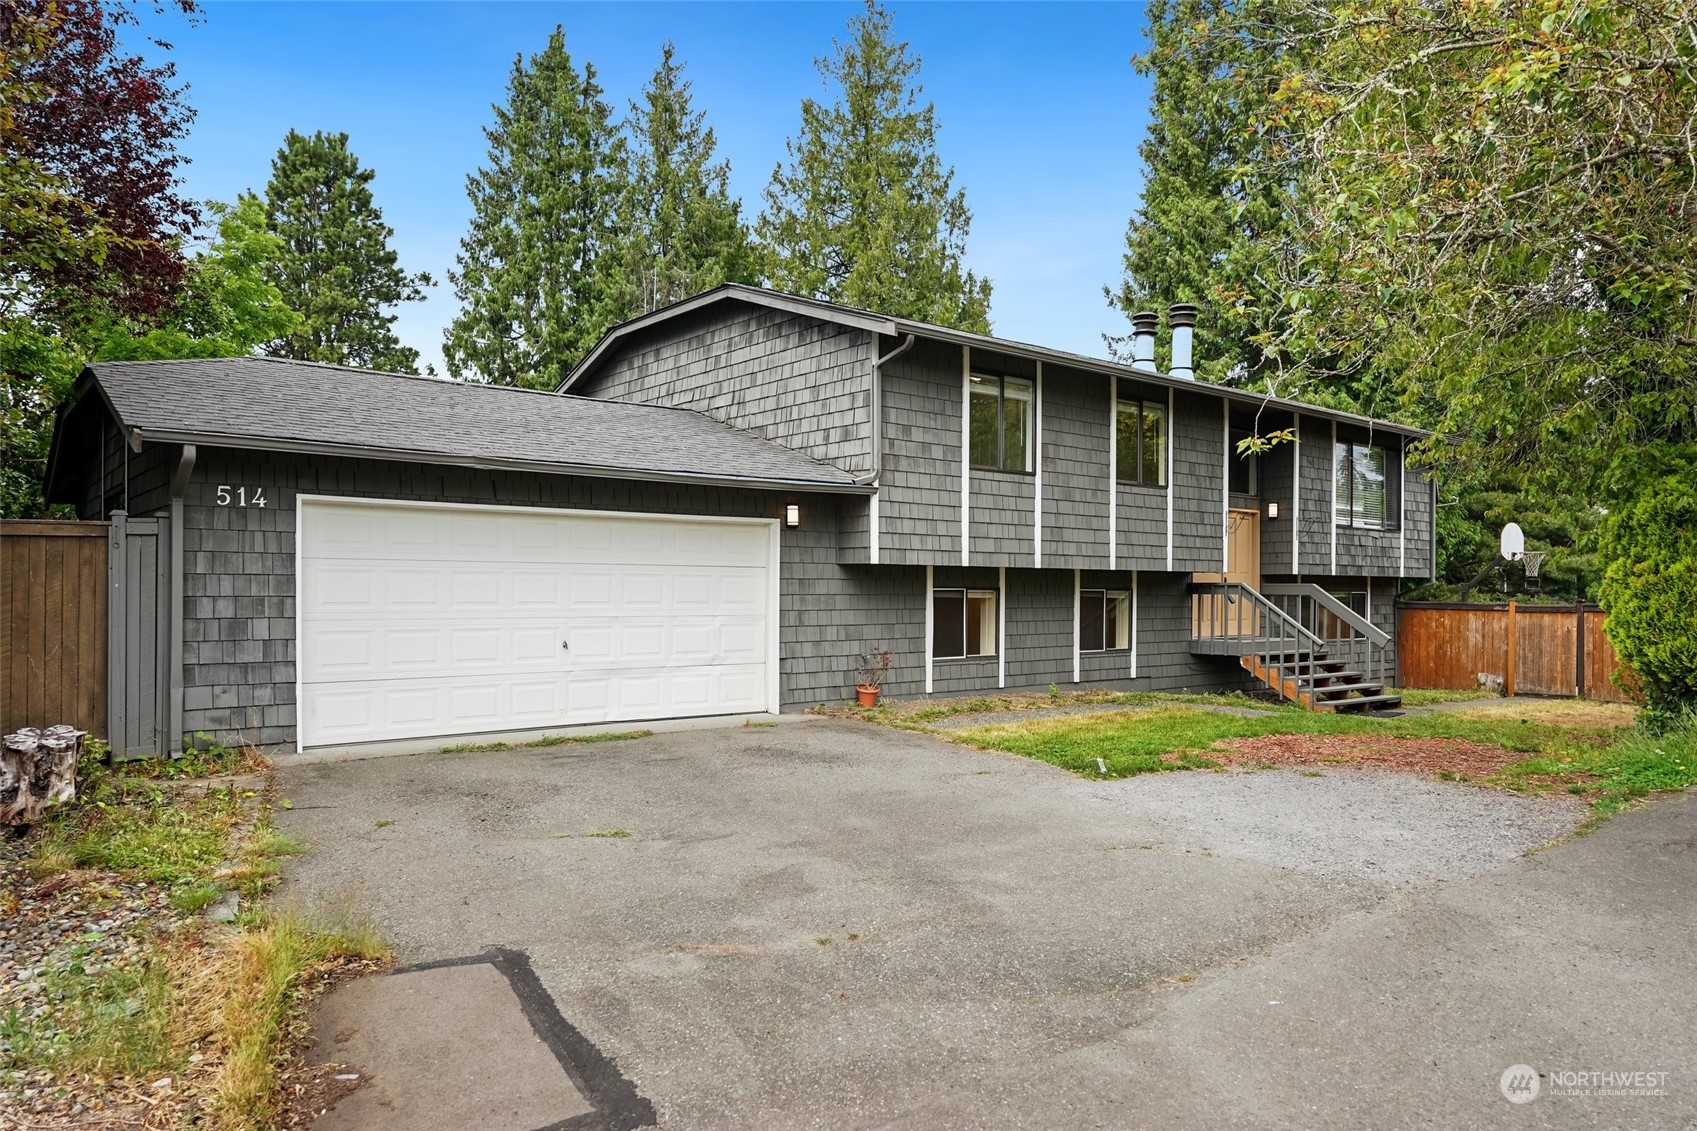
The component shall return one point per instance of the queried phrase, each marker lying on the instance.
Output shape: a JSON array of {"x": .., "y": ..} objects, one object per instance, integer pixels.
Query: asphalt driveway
[{"x": 830, "y": 924}]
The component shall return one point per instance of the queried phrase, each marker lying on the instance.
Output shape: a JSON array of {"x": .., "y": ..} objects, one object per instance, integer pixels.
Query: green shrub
[{"x": 1649, "y": 589}]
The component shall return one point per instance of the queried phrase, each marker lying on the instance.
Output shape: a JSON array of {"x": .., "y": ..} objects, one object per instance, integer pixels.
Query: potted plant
[{"x": 869, "y": 677}]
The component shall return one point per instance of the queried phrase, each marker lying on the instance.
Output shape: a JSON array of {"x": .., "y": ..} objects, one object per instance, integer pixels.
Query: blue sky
[{"x": 1039, "y": 109}]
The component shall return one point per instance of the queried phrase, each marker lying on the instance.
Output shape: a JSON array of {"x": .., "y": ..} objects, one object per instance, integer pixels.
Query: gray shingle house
[{"x": 721, "y": 508}]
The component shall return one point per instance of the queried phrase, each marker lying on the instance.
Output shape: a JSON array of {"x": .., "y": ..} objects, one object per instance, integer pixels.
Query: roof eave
[
  {"x": 1144, "y": 373},
  {"x": 487, "y": 463},
  {"x": 830, "y": 312}
]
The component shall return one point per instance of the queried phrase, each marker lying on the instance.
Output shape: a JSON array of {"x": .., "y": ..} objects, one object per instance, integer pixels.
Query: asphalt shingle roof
[{"x": 274, "y": 402}]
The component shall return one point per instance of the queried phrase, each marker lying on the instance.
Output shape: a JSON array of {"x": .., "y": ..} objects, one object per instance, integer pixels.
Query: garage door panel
[{"x": 418, "y": 622}]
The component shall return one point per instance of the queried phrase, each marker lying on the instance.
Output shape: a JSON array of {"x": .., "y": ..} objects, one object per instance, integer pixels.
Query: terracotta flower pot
[{"x": 868, "y": 695}]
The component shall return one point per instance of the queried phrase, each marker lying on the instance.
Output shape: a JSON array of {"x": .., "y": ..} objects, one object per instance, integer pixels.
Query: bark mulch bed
[{"x": 1428, "y": 757}]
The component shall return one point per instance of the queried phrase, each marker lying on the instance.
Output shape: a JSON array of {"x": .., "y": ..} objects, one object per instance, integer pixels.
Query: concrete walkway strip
[{"x": 472, "y": 1042}]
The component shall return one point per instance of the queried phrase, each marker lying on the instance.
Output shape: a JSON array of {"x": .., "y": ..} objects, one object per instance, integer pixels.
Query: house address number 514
[{"x": 240, "y": 496}]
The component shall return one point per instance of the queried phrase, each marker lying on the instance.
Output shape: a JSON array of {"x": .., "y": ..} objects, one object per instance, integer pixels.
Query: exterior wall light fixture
[
  {"x": 792, "y": 516},
  {"x": 1272, "y": 511}
]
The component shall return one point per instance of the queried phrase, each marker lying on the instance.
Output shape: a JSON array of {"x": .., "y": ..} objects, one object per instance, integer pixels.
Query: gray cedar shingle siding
[
  {"x": 1276, "y": 480},
  {"x": 1199, "y": 446},
  {"x": 1075, "y": 469},
  {"x": 1003, "y": 518},
  {"x": 919, "y": 504},
  {"x": 1142, "y": 524},
  {"x": 801, "y": 382},
  {"x": 1316, "y": 518}
]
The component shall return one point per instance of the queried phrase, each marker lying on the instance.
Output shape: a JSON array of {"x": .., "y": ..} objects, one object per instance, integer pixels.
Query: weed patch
[
  {"x": 546, "y": 740},
  {"x": 1615, "y": 776},
  {"x": 1182, "y": 737}
]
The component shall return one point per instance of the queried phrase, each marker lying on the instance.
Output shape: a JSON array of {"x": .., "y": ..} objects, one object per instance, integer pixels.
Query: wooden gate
[
  {"x": 1534, "y": 649},
  {"x": 85, "y": 629},
  {"x": 138, "y": 636},
  {"x": 53, "y": 625}
]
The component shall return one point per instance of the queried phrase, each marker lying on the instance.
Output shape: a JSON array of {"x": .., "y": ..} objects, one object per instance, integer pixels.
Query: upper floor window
[
  {"x": 1140, "y": 443},
  {"x": 963, "y": 623},
  {"x": 1364, "y": 495},
  {"x": 1104, "y": 620},
  {"x": 1001, "y": 416},
  {"x": 1245, "y": 469}
]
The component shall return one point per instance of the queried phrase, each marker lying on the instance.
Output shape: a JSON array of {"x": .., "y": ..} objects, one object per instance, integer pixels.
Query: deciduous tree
[
  {"x": 103, "y": 125},
  {"x": 229, "y": 306}
]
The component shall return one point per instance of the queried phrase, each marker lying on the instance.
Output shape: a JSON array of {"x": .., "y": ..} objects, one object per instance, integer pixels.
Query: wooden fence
[
  {"x": 53, "y": 632},
  {"x": 1535, "y": 649}
]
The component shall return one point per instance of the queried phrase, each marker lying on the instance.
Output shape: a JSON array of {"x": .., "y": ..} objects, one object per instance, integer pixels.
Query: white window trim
[
  {"x": 965, "y": 456},
  {"x": 1133, "y": 624},
  {"x": 1113, "y": 472},
  {"x": 1332, "y": 477},
  {"x": 1107, "y": 595},
  {"x": 1077, "y": 626},
  {"x": 968, "y": 592},
  {"x": 930, "y": 594},
  {"x": 1296, "y": 501},
  {"x": 1172, "y": 428},
  {"x": 1402, "y": 509},
  {"x": 1225, "y": 486},
  {"x": 1037, "y": 492},
  {"x": 1001, "y": 626}
]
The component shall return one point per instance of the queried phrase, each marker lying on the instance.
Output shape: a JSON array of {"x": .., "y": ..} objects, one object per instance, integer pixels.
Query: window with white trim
[
  {"x": 963, "y": 623},
  {"x": 1366, "y": 499},
  {"x": 1140, "y": 442},
  {"x": 1000, "y": 419},
  {"x": 1104, "y": 620}
]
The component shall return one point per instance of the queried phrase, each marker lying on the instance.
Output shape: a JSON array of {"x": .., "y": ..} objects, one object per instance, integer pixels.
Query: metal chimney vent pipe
[
  {"x": 1181, "y": 316},
  {"x": 1143, "y": 325}
]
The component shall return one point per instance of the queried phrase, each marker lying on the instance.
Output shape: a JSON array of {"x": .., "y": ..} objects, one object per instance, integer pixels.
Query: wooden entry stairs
[{"x": 1298, "y": 640}]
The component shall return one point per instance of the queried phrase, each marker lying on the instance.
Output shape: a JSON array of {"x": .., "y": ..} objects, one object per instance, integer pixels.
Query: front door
[
  {"x": 1214, "y": 614},
  {"x": 1243, "y": 547}
]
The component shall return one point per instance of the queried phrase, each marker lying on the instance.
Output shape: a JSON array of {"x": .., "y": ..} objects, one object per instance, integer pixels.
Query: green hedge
[{"x": 1649, "y": 545}]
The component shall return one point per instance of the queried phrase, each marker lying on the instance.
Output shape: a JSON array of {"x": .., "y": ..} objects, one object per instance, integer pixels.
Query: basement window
[
  {"x": 963, "y": 623},
  {"x": 1104, "y": 620},
  {"x": 1000, "y": 416}
]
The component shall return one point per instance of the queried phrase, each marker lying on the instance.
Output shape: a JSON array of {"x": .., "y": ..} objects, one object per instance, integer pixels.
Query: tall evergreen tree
[
  {"x": 682, "y": 231},
  {"x": 1207, "y": 226},
  {"x": 865, "y": 213},
  {"x": 335, "y": 267},
  {"x": 537, "y": 272}
]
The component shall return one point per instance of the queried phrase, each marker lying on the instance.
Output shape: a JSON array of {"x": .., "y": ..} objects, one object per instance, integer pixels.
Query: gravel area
[
  {"x": 1380, "y": 826},
  {"x": 995, "y": 718}
]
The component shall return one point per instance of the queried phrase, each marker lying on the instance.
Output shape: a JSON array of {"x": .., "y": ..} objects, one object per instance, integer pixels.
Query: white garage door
[{"x": 418, "y": 621}]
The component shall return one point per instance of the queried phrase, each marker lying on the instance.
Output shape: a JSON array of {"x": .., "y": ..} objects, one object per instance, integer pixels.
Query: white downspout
[{"x": 874, "y": 476}]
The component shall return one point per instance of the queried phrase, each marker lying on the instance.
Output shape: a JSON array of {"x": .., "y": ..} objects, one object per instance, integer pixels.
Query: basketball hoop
[{"x": 1532, "y": 559}]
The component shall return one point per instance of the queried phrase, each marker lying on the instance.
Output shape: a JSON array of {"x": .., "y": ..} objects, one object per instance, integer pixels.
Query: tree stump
[{"x": 38, "y": 770}]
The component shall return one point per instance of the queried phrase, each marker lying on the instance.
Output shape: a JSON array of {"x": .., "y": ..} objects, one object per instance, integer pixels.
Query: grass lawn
[{"x": 1588, "y": 749}]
